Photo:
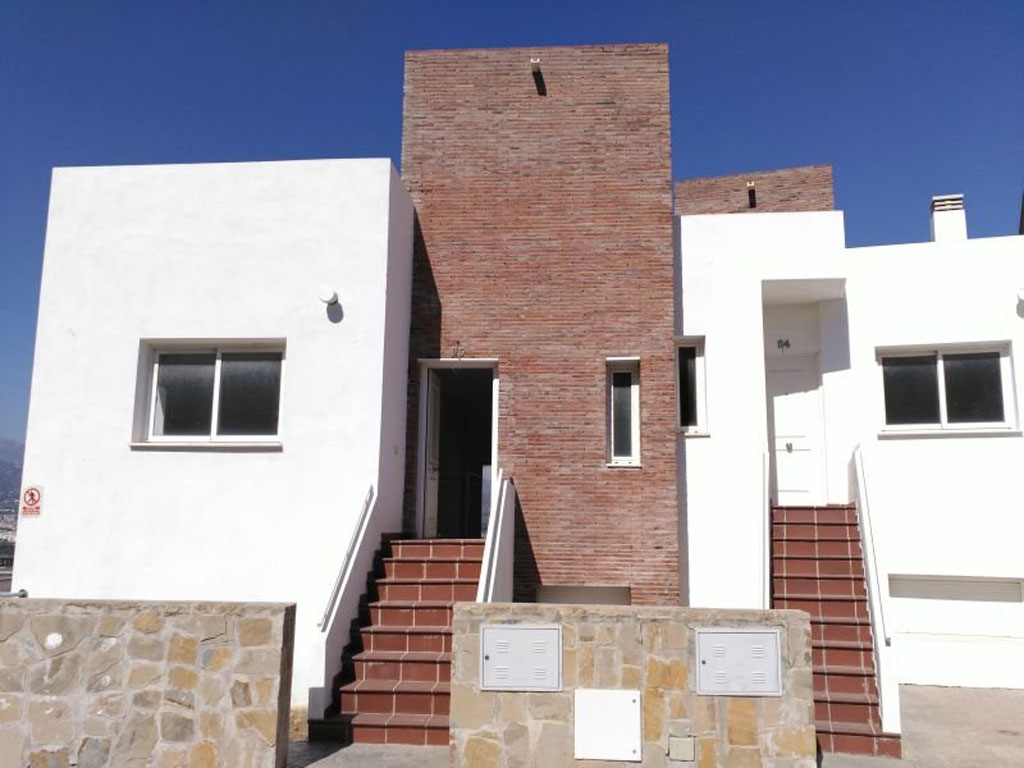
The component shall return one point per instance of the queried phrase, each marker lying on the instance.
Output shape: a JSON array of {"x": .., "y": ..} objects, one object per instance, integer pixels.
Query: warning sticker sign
[{"x": 32, "y": 501}]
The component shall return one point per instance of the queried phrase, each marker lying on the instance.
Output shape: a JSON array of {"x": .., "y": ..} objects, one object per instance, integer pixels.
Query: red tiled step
[
  {"x": 853, "y": 658},
  {"x": 843, "y": 630},
  {"x": 431, "y": 568},
  {"x": 816, "y": 515},
  {"x": 857, "y": 739},
  {"x": 454, "y": 590},
  {"x": 842, "y": 680},
  {"x": 815, "y": 531},
  {"x": 396, "y": 696},
  {"x": 437, "y": 639},
  {"x": 832, "y": 607},
  {"x": 842, "y": 550},
  {"x": 417, "y": 666},
  {"x": 419, "y": 549},
  {"x": 783, "y": 586},
  {"x": 847, "y": 567},
  {"x": 412, "y": 613},
  {"x": 417, "y": 730},
  {"x": 847, "y": 707}
]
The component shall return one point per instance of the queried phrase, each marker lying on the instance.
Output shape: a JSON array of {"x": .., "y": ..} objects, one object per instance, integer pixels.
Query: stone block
[
  {"x": 93, "y": 753},
  {"x": 49, "y": 758},
  {"x": 666, "y": 673},
  {"x": 554, "y": 745},
  {"x": 216, "y": 658},
  {"x": 550, "y": 706},
  {"x": 10, "y": 622},
  {"x": 211, "y": 725},
  {"x": 148, "y": 622},
  {"x": 182, "y": 677},
  {"x": 793, "y": 742},
  {"x": 141, "y": 674},
  {"x": 147, "y": 699},
  {"x": 263, "y": 721},
  {"x": 176, "y": 727},
  {"x": 259, "y": 662},
  {"x": 10, "y": 707},
  {"x": 11, "y": 742},
  {"x": 107, "y": 705},
  {"x": 254, "y": 632},
  {"x": 112, "y": 624},
  {"x": 59, "y": 633},
  {"x": 743, "y": 757},
  {"x": 480, "y": 752},
  {"x": 50, "y": 721},
  {"x": 147, "y": 648},
  {"x": 240, "y": 696},
  {"x": 654, "y": 711},
  {"x": 203, "y": 755},
  {"x": 183, "y": 649},
  {"x": 742, "y": 722},
  {"x": 470, "y": 708},
  {"x": 607, "y": 667}
]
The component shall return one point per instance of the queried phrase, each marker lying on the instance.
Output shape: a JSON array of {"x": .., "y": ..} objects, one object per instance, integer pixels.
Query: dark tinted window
[
  {"x": 250, "y": 387},
  {"x": 911, "y": 389},
  {"x": 687, "y": 386},
  {"x": 622, "y": 414},
  {"x": 974, "y": 390},
  {"x": 184, "y": 394}
]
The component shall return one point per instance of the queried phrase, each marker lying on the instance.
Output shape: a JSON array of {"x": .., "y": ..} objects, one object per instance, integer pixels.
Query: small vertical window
[
  {"x": 690, "y": 386},
  {"x": 184, "y": 395},
  {"x": 624, "y": 411},
  {"x": 911, "y": 390}
]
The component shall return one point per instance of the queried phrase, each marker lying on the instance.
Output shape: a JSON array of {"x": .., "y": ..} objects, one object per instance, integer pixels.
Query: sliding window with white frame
[
  {"x": 214, "y": 394},
  {"x": 948, "y": 388}
]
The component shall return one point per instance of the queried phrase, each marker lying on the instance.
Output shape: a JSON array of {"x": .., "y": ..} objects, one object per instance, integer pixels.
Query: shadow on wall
[
  {"x": 527, "y": 575},
  {"x": 682, "y": 527},
  {"x": 424, "y": 342}
]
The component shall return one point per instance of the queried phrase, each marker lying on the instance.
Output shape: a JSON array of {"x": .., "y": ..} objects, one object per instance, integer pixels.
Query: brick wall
[
  {"x": 808, "y": 188},
  {"x": 544, "y": 239}
]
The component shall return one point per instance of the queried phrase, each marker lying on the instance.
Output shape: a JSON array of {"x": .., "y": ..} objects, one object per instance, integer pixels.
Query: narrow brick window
[
  {"x": 623, "y": 411},
  {"x": 690, "y": 386}
]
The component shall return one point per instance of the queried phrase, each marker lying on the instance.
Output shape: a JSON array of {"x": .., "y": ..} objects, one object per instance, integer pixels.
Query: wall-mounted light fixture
[
  {"x": 327, "y": 295},
  {"x": 538, "y": 77}
]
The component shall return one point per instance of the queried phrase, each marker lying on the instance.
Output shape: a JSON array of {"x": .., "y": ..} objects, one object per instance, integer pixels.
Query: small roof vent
[
  {"x": 947, "y": 203},
  {"x": 949, "y": 219}
]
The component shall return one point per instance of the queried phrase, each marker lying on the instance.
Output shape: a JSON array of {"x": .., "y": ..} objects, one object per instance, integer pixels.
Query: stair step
[
  {"x": 437, "y": 548},
  {"x": 417, "y": 730},
  {"x": 843, "y": 658},
  {"x": 815, "y": 532},
  {"x": 817, "y": 550},
  {"x": 864, "y": 645},
  {"x": 823, "y": 598},
  {"x": 403, "y": 665},
  {"x": 817, "y": 515},
  {"x": 432, "y": 568},
  {"x": 847, "y": 670},
  {"x": 411, "y": 613},
  {"x": 455, "y": 590},
  {"x": 786, "y": 586},
  {"x": 857, "y": 739},
  {"x": 395, "y": 696},
  {"x": 810, "y": 567},
  {"x": 408, "y": 638}
]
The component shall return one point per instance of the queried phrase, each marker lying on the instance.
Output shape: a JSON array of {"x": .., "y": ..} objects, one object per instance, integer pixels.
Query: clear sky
[{"x": 905, "y": 99}]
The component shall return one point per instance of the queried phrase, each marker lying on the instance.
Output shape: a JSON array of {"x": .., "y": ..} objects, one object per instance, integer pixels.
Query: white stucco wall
[
  {"x": 217, "y": 252},
  {"x": 945, "y": 505}
]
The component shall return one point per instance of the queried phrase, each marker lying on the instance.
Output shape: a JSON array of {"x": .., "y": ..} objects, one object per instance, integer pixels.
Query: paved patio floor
[
  {"x": 942, "y": 728},
  {"x": 946, "y": 727}
]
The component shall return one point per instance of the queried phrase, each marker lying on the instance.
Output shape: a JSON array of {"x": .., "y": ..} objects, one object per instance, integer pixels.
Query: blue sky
[{"x": 905, "y": 99}]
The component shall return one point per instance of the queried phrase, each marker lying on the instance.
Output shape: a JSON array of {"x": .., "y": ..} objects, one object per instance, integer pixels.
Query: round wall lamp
[{"x": 327, "y": 295}]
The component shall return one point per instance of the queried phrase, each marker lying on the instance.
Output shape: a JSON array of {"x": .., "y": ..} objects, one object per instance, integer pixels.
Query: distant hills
[{"x": 11, "y": 453}]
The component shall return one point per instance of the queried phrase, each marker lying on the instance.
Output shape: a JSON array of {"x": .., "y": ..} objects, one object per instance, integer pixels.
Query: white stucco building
[
  {"x": 157, "y": 484},
  {"x": 884, "y": 376}
]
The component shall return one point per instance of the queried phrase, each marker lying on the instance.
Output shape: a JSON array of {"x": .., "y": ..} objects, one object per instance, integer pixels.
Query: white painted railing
[
  {"x": 345, "y": 571},
  {"x": 343, "y": 603},
  {"x": 888, "y": 685},
  {"x": 766, "y": 533},
  {"x": 499, "y": 549}
]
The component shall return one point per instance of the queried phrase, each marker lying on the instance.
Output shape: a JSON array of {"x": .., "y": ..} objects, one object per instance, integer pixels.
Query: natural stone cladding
[
  {"x": 98, "y": 684},
  {"x": 648, "y": 649}
]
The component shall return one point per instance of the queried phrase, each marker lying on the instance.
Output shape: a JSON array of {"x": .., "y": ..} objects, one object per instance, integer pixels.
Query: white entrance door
[
  {"x": 795, "y": 417},
  {"x": 432, "y": 459}
]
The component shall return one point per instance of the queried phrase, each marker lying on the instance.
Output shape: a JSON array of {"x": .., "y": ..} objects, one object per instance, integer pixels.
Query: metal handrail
[
  {"x": 20, "y": 593},
  {"x": 346, "y": 564},
  {"x": 868, "y": 541},
  {"x": 490, "y": 557},
  {"x": 766, "y": 523}
]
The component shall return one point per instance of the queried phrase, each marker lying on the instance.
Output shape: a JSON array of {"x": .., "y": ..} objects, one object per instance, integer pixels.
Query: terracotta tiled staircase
[
  {"x": 395, "y": 682},
  {"x": 818, "y": 567}
]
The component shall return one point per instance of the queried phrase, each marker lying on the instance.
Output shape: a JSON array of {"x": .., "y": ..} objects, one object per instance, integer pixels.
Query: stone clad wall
[
  {"x": 97, "y": 684},
  {"x": 647, "y": 649}
]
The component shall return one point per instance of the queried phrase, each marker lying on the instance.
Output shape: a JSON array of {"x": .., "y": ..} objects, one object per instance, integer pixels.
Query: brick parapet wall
[
  {"x": 544, "y": 239},
  {"x": 101, "y": 683},
  {"x": 807, "y": 188}
]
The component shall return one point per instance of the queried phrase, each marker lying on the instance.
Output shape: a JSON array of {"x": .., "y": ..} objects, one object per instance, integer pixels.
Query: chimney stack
[{"x": 949, "y": 219}]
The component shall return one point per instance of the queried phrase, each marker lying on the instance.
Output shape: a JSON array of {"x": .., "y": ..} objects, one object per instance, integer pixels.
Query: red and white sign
[{"x": 32, "y": 501}]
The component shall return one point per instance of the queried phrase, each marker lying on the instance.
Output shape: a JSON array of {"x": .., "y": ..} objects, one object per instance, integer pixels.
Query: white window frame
[
  {"x": 700, "y": 429},
  {"x": 629, "y": 365},
  {"x": 218, "y": 350},
  {"x": 1009, "y": 424}
]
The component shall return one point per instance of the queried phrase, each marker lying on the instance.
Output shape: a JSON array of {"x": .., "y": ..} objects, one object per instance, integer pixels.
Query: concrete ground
[
  {"x": 946, "y": 727},
  {"x": 942, "y": 728},
  {"x": 303, "y": 754}
]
